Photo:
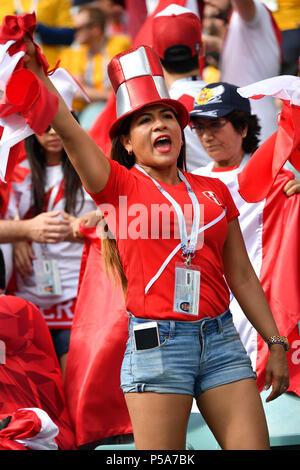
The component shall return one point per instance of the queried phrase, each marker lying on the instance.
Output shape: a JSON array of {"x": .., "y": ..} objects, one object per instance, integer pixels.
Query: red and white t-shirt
[
  {"x": 134, "y": 209},
  {"x": 58, "y": 310}
]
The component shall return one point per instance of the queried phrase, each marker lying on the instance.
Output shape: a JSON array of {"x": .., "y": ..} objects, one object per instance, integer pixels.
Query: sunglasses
[
  {"x": 84, "y": 26},
  {"x": 213, "y": 126}
]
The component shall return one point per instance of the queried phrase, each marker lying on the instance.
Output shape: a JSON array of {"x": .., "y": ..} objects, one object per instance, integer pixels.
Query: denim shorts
[
  {"x": 61, "y": 340},
  {"x": 193, "y": 356}
]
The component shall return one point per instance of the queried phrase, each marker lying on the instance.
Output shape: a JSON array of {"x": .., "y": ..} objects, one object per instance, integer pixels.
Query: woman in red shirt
[{"x": 182, "y": 343}]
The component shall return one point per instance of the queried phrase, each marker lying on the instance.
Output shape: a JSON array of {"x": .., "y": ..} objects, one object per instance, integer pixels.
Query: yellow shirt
[
  {"x": 55, "y": 13},
  {"x": 92, "y": 69},
  {"x": 287, "y": 15}
]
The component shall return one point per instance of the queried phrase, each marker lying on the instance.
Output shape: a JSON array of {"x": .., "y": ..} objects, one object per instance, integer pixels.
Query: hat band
[{"x": 138, "y": 92}]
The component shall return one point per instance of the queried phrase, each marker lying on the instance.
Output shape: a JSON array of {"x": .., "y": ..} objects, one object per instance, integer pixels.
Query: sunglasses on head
[{"x": 83, "y": 27}]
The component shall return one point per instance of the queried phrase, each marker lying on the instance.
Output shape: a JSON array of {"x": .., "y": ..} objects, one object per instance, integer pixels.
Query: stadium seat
[
  {"x": 199, "y": 436},
  {"x": 283, "y": 420},
  {"x": 282, "y": 417},
  {"x": 88, "y": 116},
  {"x": 116, "y": 447}
]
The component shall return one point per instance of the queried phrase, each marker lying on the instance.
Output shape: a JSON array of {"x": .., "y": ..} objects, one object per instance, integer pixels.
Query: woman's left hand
[
  {"x": 90, "y": 219},
  {"x": 277, "y": 373},
  {"x": 292, "y": 187}
]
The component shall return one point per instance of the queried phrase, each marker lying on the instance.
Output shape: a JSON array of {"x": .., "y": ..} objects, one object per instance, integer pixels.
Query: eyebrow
[
  {"x": 203, "y": 120},
  {"x": 148, "y": 113}
]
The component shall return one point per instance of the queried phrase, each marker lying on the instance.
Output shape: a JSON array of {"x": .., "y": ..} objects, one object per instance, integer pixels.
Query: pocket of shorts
[
  {"x": 148, "y": 365},
  {"x": 230, "y": 331},
  {"x": 163, "y": 341}
]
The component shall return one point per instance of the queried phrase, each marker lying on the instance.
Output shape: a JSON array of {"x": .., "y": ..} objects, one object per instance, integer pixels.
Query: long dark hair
[{"x": 37, "y": 160}]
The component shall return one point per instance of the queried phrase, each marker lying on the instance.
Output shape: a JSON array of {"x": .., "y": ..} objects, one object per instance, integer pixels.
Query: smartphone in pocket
[{"x": 146, "y": 335}]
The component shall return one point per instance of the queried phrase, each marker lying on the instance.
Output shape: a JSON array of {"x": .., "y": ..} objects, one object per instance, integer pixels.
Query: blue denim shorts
[
  {"x": 61, "y": 340},
  {"x": 192, "y": 357}
]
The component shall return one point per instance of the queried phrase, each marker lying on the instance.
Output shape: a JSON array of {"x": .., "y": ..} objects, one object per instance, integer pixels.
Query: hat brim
[
  {"x": 211, "y": 113},
  {"x": 179, "y": 108}
]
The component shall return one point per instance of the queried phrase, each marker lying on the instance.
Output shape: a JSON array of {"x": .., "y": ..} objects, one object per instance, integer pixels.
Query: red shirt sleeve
[
  {"x": 118, "y": 184},
  {"x": 232, "y": 211}
]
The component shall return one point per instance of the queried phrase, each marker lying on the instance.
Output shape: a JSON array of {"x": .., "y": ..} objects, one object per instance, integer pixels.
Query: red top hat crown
[{"x": 137, "y": 78}]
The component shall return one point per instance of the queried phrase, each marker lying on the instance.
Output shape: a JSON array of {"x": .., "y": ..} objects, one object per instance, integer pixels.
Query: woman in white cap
[{"x": 182, "y": 342}]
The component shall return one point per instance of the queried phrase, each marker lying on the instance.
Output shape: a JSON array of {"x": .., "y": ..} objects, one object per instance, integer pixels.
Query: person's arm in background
[
  {"x": 245, "y": 8},
  {"x": 292, "y": 187},
  {"x": 55, "y": 36},
  {"x": 46, "y": 227}
]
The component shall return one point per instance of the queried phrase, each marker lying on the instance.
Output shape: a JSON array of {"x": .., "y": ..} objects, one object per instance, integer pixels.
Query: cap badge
[
  {"x": 210, "y": 95},
  {"x": 204, "y": 96}
]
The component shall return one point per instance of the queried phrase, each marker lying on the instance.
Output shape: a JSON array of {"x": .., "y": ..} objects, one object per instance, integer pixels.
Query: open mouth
[
  {"x": 163, "y": 144},
  {"x": 55, "y": 143}
]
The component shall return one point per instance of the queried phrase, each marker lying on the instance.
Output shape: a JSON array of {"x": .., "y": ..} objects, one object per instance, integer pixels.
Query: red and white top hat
[
  {"x": 176, "y": 26},
  {"x": 137, "y": 79}
]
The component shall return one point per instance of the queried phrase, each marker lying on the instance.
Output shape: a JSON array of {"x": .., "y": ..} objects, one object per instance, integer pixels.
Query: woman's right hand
[
  {"x": 48, "y": 227},
  {"x": 23, "y": 257}
]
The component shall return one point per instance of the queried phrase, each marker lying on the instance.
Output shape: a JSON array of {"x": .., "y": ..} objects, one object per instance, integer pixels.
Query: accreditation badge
[
  {"x": 47, "y": 276},
  {"x": 187, "y": 289}
]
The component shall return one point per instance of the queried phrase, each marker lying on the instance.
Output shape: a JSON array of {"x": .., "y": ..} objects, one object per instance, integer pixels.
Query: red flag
[
  {"x": 29, "y": 428},
  {"x": 98, "y": 340},
  {"x": 271, "y": 224},
  {"x": 136, "y": 11},
  {"x": 30, "y": 375},
  {"x": 26, "y": 105},
  {"x": 99, "y": 131},
  {"x": 280, "y": 273},
  {"x": 271, "y": 230},
  {"x": 27, "y": 95},
  {"x": 14, "y": 28},
  {"x": 265, "y": 164}
]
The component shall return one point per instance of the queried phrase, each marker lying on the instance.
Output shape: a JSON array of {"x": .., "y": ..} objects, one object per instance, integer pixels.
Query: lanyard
[
  {"x": 188, "y": 243},
  {"x": 173, "y": 253}
]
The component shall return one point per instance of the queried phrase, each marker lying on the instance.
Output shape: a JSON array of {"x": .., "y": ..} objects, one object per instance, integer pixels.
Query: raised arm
[
  {"x": 87, "y": 158},
  {"x": 249, "y": 293},
  {"x": 245, "y": 8}
]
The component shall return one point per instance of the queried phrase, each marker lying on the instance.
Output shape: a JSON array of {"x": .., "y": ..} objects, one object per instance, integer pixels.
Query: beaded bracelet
[{"x": 278, "y": 340}]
